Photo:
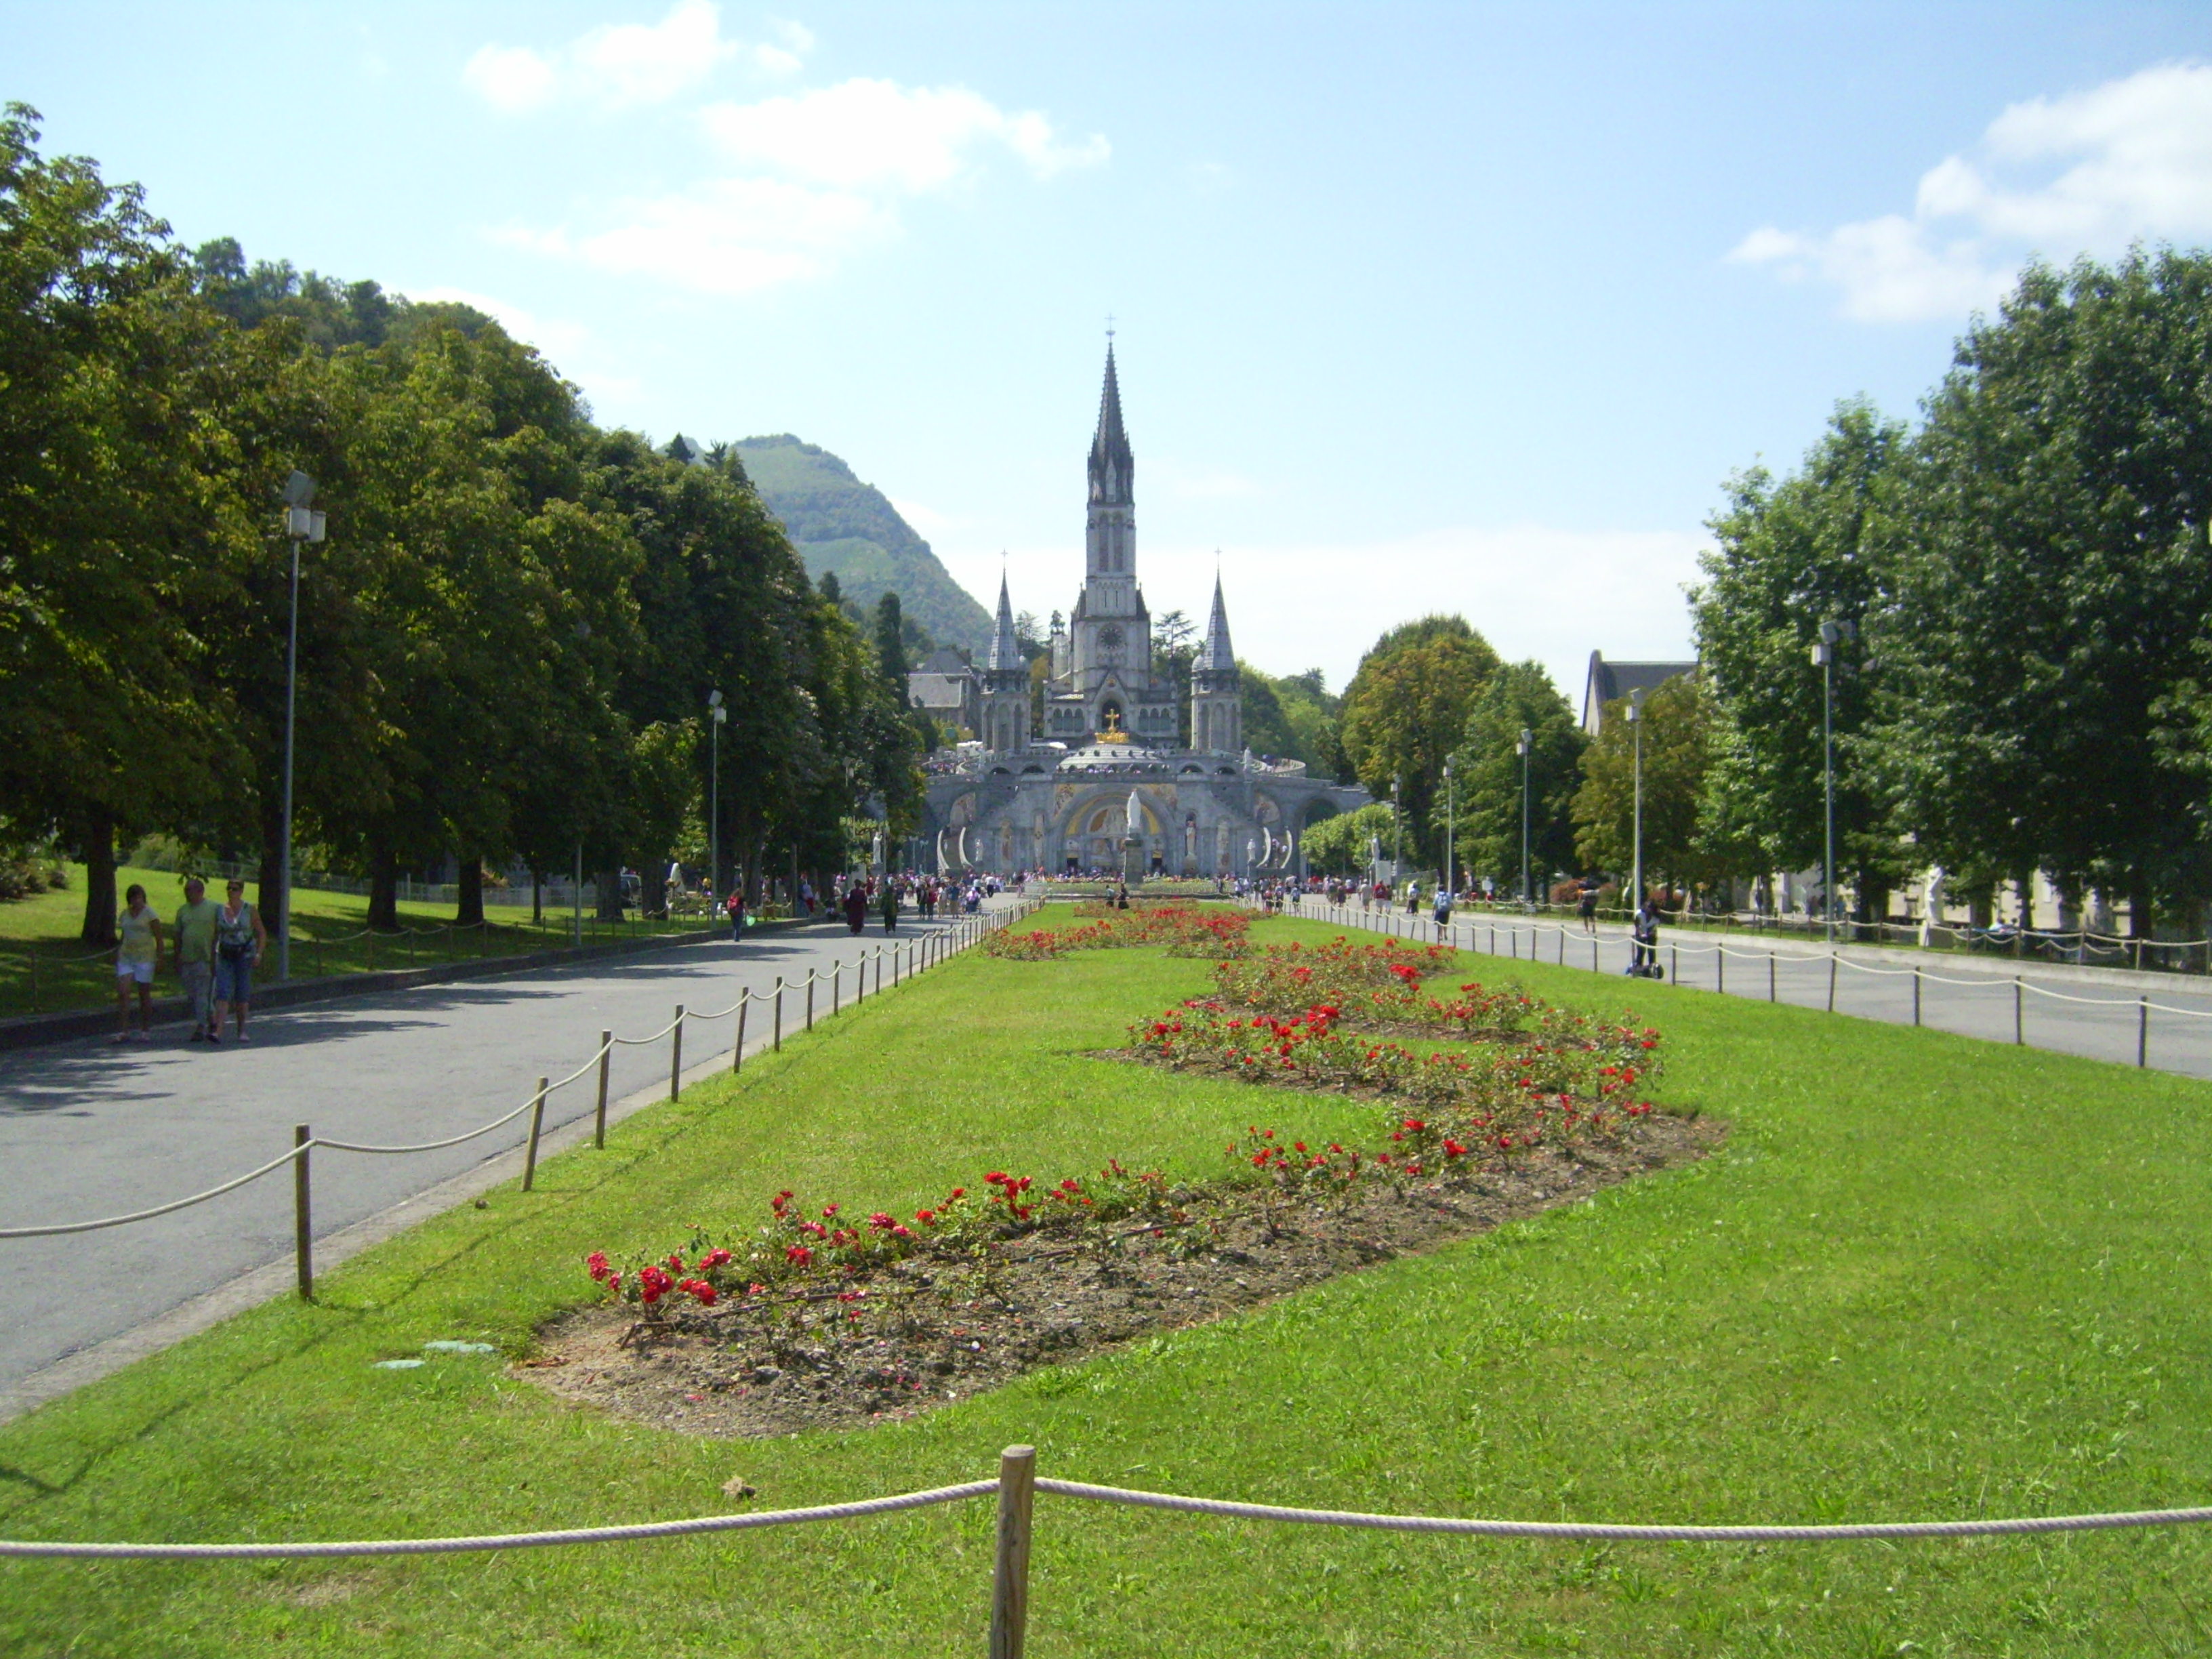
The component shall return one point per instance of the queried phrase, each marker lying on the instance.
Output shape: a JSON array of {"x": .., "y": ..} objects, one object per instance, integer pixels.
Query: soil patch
[{"x": 939, "y": 1326}]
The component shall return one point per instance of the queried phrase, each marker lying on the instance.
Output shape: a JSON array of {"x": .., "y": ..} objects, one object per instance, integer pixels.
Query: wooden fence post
[
  {"x": 675, "y": 1054},
  {"x": 778, "y": 1043},
  {"x": 737, "y": 1054},
  {"x": 1915, "y": 994},
  {"x": 537, "y": 1129},
  {"x": 1770, "y": 994},
  {"x": 2018, "y": 1028},
  {"x": 606, "y": 1064},
  {"x": 1720, "y": 968},
  {"x": 812, "y": 974},
  {"x": 1832, "y": 981},
  {"x": 2142, "y": 1029},
  {"x": 1010, "y": 1577},
  {"x": 303, "y": 1232}
]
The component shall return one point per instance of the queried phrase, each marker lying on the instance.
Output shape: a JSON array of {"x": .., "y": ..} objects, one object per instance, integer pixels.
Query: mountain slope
[{"x": 840, "y": 524}]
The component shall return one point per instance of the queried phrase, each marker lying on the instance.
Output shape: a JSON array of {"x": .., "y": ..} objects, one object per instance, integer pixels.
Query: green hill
[{"x": 840, "y": 524}]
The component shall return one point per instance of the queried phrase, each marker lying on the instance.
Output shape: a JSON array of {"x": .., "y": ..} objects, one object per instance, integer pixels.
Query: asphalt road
[
  {"x": 90, "y": 1129},
  {"x": 2105, "y": 1023}
]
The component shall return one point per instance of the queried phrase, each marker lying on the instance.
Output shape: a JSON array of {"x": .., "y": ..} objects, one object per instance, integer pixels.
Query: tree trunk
[
  {"x": 383, "y": 889},
  {"x": 468, "y": 890},
  {"x": 652, "y": 900},
  {"x": 96, "y": 843},
  {"x": 274, "y": 901},
  {"x": 2142, "y": 911},
  {"x": 537, "y": 897},
  {"x": 611, "y": 895}
]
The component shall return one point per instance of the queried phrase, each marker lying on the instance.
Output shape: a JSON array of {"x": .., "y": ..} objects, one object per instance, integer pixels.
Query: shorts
[
  {"x": 142, "y": 972},
  {"x": 234, "y": 978}
]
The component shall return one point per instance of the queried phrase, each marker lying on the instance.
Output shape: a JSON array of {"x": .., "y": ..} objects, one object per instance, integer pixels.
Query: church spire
[
  {"x": 1005, "y": 649},
  {"x": 1113, "y": 469},
  {"x": 1216, "y": 655}
]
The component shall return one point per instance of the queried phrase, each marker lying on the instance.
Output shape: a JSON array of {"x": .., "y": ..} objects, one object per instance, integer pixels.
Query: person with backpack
[
  {"x": 239, "y": 940},
  {"x": 736, "y": 908}
]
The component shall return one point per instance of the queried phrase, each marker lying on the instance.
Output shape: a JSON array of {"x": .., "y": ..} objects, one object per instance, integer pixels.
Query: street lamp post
[
  {"x": 1526, "y": 739},
  {"x": 1397, "y": 838},
  {"x": 302, "y": 523},
  {"x": 718, "y": 714},
  {"x": 1636, "y": 721},
  {"x": 1451, "y": 831},
  {"x": 1824, "y": 659}
]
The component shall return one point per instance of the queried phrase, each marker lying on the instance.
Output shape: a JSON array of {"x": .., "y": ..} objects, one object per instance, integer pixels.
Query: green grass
[
  {"x": 45, "y": 967},
  {"x": 1925, "y": 1276}
]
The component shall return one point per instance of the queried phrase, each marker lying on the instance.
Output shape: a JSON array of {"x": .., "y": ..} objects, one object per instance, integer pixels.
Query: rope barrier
[
  {"x": 512, "y": 1540},
  {"x": 2015, "y": 982},
  {"x": 2015, "y": 1525},
  {"x": 148, "y": 1215},
  {"x": 1579, "y": 1529}
]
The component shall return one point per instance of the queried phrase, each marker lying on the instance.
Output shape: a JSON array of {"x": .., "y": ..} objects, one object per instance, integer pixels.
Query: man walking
[{"x": 194, "y": 956}]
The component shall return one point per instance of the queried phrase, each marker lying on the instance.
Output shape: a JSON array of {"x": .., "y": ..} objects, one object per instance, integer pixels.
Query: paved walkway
[
  {"x": 2098, "y": 1013},
  {"x": 90, "y": 1129}
]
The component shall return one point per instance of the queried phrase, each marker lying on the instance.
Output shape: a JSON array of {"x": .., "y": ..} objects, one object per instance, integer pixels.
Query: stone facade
[{"x": 1108, "y": 785}]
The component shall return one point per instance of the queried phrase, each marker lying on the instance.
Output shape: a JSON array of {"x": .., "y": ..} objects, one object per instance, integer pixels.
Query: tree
[
  {"x": 1267, "y": 731},
  {"x": 1790, "y": 557},
  {"x": 890, "y": 645},
  {"x": 1175, "y": 648},
  {"x": 1677, "y": 722},
  {"x": 1406, "y": 709},
  {"x": 114, "y": 542},
  {"x": 1488, "y": 775},
  {"x": 1312, "y": 716},
  {"x": 1344, "y": 845},
  {"x": 2050, "y": 538}
]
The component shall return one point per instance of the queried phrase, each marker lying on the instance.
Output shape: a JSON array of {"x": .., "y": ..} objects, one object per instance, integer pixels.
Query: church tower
[
  {"x": 1111, "y": 634},
  {"x": 1217, "y": 713},
  {"x": 1005, "y": 713}
]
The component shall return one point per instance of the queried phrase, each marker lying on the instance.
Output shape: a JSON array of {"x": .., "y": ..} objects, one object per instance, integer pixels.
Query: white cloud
[
  {"x": 816, "y": 176},
  {"x": 726, "y": 236},
  {"x": 872, "y": 134},
  {"x": 2084, "y": 173},
  {"x": 513, "y": 80},
  {"x": 622, "y": 65}
]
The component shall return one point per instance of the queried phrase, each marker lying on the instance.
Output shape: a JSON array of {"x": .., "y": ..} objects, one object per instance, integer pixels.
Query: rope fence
[
  {"x": 1469, "y": 934},
  {"x": 1017, "y": 1487},
  {"x": 907, "y": 957},
  {"x": 2078, "y": 946}
]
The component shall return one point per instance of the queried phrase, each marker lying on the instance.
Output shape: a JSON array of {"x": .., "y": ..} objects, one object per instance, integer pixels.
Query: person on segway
[{"x": 1644, "y": 935}]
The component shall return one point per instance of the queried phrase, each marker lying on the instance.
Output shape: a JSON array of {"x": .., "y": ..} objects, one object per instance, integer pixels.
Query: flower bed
[
  {"x": 823, "y": 1314},
  {"x": 1288, "y": 979},
  {"x": 1501, "y": 1095},
  {"x": 1187, "y": 931},
  {"x": 1380, "y": 986},
  {"x": 855, "y": 1323}
]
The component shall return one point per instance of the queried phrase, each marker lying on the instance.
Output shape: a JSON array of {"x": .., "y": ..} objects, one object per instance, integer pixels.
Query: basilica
[{"x": 1089, "y": 771}]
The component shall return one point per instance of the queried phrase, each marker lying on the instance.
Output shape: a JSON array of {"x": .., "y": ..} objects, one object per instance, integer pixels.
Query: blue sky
[{"x": 1420, "y": 307}]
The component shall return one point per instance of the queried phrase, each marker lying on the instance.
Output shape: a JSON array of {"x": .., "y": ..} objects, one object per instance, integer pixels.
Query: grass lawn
[
  {"x": 43, "y": 966},
  {"x": 1925, "y": 1276}
]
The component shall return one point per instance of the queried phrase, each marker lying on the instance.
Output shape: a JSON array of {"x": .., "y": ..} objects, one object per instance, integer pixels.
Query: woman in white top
[{"x": 140, "y": 931}]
